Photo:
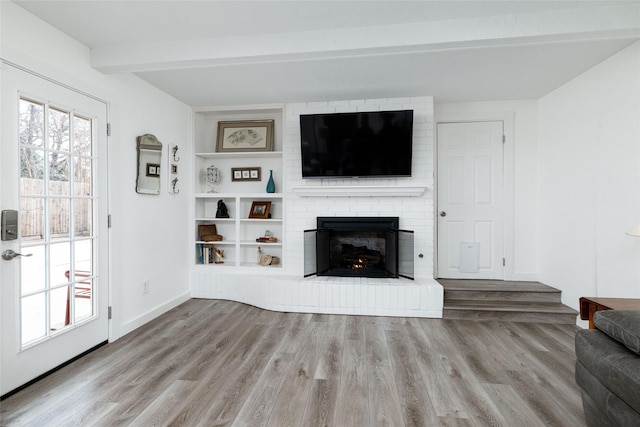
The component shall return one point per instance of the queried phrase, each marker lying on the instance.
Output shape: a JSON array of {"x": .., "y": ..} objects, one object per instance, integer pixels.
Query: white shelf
[
  {"x": 265, "y": 244},
  {"x": 241, "y": 196},
  {"x": 215, "y": 219},
  {"x": 225, "y": 264},
  {"x": 256, "y": 265},
  {"x": 239, "y": 155},
  {"x": 219, "y": 242},
  {"x": 359, "y": 191}
]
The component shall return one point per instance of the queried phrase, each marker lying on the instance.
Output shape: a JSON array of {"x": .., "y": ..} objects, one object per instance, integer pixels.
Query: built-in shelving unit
[{"x": 239, "y": 232}]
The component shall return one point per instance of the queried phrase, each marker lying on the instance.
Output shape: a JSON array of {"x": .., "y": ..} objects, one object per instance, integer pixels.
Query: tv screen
[{"x": 356, "y": 145}]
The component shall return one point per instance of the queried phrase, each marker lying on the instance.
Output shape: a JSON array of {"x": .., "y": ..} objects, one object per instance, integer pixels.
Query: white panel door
[
  {"x": 53, "y": 301},
  {"x": 470, "y": 198}
]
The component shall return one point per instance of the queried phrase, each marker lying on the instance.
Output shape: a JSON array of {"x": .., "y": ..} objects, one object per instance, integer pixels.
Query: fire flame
[{"x": 361, "y": 263}]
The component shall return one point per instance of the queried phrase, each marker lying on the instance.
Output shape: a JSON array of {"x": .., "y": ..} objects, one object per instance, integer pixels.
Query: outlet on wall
[{"x": 145, "y": 286}]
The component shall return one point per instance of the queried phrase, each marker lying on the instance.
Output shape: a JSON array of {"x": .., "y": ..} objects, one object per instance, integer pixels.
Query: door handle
[
  {"x": 443, "y": 214},
  {"x": 8, "y": 255}
]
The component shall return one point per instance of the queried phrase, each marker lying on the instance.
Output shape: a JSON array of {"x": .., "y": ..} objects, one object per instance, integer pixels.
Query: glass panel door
[
  {"x": 56, "y": 216},
  {"x": 406, "y": 254},
  {"x": 53, "y": 173},
  {"x": 310, "y": 253}
]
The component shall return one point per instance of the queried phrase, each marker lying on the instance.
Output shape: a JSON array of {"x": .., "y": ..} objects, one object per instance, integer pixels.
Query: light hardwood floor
[{"x": 211, "y": 362}]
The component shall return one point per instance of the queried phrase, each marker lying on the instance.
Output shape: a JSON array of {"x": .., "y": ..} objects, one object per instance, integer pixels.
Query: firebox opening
[
  {"x": 357, "y": 246},
  {"x": 357, "y": 251}
]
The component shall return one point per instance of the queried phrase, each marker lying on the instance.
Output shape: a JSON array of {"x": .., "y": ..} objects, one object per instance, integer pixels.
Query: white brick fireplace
[{"x": 411, "y": 199}]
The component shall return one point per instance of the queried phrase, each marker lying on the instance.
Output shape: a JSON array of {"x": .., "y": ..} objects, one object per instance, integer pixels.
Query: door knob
[
  {"x": 443, "y": 214},
  {"x": 8, "y": 255}
]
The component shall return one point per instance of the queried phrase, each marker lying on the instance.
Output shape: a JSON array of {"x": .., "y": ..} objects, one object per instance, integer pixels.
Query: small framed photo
[
  {"x": 246, "y": 174},
  {"x": 260, "y": 210},
  {"x": 153, "y": 169},
  {"x": 246, "y": 135}
]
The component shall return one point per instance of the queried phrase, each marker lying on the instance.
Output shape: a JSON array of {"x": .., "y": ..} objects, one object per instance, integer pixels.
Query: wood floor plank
[
  {"x": 328, "y": 367},
  {"x": 470, "y": 400},
  {"x": 257, "y": 408},
  {"x": 158, "y": 411},
  {"x": 438, "y": 372},
  {"x": 213, "y": 383},
  {"x": 293, "y": 397},
  {"x": 321, "y": 408},
  {"x": 415, "y": 405},
  {"x": 384, "y": 402},
  {"x": 353, "y": 403},
  {"x": 546, "y": 404},
  {"x": 221, "y": 363},
  {"x": 514, "y": 410},
  {"x": 234, "y": 393}
]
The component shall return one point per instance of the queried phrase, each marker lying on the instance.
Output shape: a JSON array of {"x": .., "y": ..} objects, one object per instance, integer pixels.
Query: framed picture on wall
[
  {"x": 245, "y": 135},
  {"x": 246, "y": 174}
]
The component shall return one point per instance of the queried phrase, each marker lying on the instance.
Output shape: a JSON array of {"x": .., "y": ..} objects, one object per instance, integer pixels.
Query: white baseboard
[{"x": 151, "y": 314}]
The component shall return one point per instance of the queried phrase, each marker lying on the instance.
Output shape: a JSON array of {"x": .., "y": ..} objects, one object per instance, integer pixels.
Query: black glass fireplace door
[{"x": 359, "y": 253}]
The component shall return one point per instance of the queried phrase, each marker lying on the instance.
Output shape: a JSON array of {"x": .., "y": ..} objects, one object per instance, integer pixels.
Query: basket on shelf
[{"x": 208, "y": 233}]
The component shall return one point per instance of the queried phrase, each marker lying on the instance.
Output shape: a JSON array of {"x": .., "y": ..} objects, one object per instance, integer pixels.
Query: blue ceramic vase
[{"x": 271, "y": 186}]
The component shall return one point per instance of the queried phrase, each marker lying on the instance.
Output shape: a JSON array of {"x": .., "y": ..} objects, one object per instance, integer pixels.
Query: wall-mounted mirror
[{"x": 149, "y": 161}]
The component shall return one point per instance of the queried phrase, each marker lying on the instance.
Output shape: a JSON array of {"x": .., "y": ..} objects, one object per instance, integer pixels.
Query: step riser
[
  {"x": 491, "y": 300},
  {"x": 502, "y": 296},
  {"x": 487, "y": 316}
]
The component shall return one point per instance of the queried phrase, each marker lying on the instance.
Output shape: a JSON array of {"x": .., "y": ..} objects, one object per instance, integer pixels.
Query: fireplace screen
[{"x": 359, "y": 247}]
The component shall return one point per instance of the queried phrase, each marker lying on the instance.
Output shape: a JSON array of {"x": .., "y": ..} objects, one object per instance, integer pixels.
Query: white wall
[
  {"x": 521, "y": 175},
  {"x": 590, "y": 181},
  {"x": 148, "y": 236}
]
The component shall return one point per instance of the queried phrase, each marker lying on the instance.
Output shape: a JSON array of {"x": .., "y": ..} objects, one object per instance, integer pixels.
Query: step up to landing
[{"x": 482, "y": 300}]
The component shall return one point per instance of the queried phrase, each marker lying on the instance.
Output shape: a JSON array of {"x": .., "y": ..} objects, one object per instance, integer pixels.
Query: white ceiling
[{"x": 216, "y": 53}]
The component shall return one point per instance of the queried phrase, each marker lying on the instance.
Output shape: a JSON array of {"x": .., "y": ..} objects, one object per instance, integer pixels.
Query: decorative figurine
[
  {"x": 219, "y": 255},
  {"x": 212, "y": 177},
  {"x": 222, "y": 211}
]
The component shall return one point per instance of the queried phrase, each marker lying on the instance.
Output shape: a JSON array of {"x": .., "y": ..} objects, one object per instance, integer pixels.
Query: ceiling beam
[{"x": 597, "y": 23}]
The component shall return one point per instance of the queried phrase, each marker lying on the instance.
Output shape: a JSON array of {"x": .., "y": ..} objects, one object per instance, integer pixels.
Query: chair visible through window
[{"x": 82, "y": 289}]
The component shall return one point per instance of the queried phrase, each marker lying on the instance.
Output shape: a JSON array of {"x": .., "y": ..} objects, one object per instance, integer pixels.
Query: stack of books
[{"x": 267, "y": 239}]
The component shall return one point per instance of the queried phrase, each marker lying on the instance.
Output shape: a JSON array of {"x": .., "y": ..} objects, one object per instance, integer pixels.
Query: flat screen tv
[{"x": 357, "y": 145}]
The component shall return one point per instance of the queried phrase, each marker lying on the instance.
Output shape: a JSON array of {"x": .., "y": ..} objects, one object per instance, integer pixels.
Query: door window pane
[
  {"x": 60, "y": 263},
  {"x": 32, "y": 170},
  {"x": 81, "y": 136},
  {"x": 32, "y": 218},
  {"x": 59, "y": 210},
  {"x": 31, "y": 123},
  {"x": 58, "y": 130},
  {"x": 83, "y": 300},
  {"x": 59, "y": 174},
  {"x": 59, "y": 308},
  {"x": 32, "y": 269},
  {"x": 83, "y": 255},
  {"x": 33, "y": 313},
  {"x": 83, "y": 218},
  {"x": 82, "y": 176}
]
